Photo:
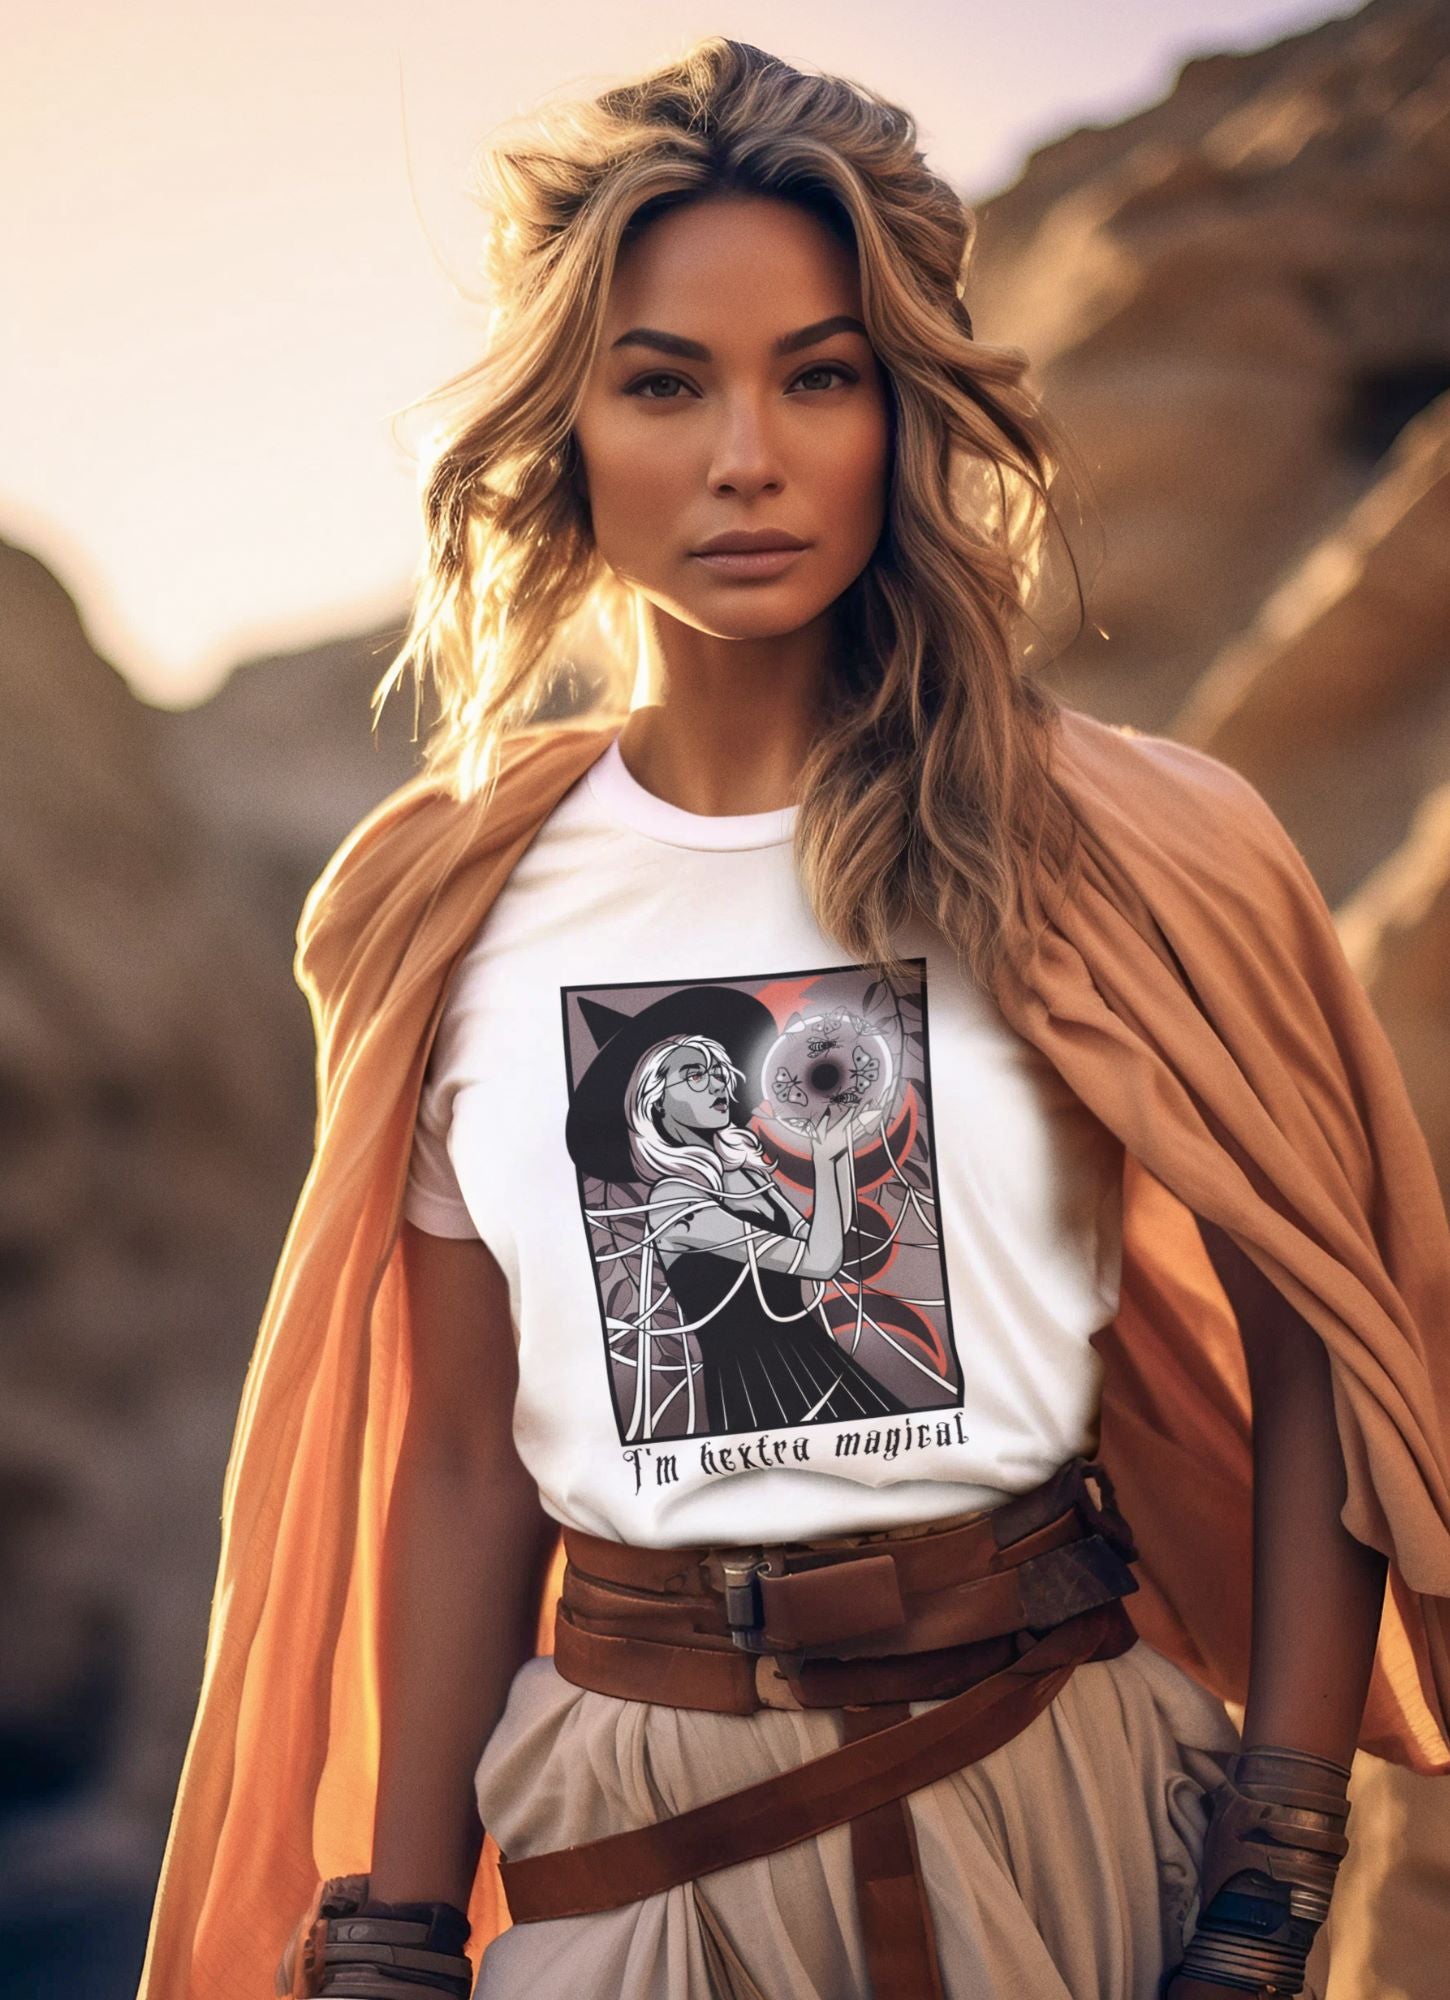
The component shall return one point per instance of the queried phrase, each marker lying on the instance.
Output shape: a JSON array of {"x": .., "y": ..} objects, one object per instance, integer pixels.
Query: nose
[{"x": 744, "y": 457}]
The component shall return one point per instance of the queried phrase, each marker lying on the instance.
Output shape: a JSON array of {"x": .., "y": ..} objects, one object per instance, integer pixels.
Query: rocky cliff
[
  {"x": 1233, "y": 302},
  {"x": 156, "y": 1102}
]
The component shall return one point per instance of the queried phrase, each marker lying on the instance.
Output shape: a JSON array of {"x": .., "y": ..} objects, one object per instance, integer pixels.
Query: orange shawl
[{"x": 1196, "y": 998}]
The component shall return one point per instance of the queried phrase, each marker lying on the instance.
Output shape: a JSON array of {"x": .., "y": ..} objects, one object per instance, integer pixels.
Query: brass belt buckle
[{"x": 741, "y": 1571}]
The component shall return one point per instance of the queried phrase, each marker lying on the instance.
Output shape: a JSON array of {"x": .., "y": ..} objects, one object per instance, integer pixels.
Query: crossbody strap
[{"x": 823, "y": 1792}]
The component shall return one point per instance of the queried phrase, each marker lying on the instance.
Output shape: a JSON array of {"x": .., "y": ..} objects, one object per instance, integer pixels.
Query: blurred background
[{"x": 237, "y": 243}]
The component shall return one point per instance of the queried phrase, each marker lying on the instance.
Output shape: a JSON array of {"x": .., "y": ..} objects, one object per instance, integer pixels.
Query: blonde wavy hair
[{"x": 928, "y": 789}]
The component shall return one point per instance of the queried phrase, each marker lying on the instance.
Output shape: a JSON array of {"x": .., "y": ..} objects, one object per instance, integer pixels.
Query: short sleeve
[{"x": 432, "y": 1198}]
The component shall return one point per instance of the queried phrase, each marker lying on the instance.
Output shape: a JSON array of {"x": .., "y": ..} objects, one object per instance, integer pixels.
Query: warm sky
[{"x": 236, "y": 241}]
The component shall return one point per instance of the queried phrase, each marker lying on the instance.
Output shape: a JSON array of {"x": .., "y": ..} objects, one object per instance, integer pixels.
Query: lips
[
  {"x": 744, "y": 564},
  {"x": 743, "y": 541}
]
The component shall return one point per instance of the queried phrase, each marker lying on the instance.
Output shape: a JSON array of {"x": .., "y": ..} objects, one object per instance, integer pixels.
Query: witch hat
[{"x": 596, "y": 1130}]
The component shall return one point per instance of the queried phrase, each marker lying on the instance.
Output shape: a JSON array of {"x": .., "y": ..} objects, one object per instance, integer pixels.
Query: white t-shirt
[{"x": 790, "y": 1251}]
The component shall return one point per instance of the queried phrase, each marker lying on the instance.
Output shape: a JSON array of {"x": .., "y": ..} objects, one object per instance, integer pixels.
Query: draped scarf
[{"x": 1192, "y": 991}]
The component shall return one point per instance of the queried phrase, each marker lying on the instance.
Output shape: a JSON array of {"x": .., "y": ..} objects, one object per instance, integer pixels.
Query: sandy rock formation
[
  {"x": 1335, "y": 701},
  {"x": 156, "y": 1101},
  {"x": 1232, "y": 303},
  {"x": 281, "y": 761}
]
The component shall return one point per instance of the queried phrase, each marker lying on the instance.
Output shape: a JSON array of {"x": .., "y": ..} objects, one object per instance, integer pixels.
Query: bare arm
[
  {"x": 464, "y": 1558},
  {"x": 1318, "y": 1593},
  {"x": 846, "y": 1188}
]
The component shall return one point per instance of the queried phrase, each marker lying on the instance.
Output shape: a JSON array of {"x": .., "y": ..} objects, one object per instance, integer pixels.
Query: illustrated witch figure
[{"x": 727, "y": 1314}]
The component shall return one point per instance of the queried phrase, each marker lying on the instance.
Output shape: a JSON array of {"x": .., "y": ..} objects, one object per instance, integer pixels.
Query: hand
[{"x": 830, "y": 1139}]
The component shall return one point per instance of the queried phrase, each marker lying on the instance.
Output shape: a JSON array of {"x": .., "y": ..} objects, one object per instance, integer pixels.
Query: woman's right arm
[{"x": 465, "y": 1555}]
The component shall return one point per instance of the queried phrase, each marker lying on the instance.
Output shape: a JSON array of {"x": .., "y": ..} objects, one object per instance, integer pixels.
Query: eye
[
  {"x": 644, "y": 382},
  {"x": 827, "y": 368},
  {"x": 635, "y": 388}
]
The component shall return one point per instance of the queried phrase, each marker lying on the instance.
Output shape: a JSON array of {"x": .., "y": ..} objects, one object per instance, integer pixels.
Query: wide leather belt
[
  {"x": 987, "y": 1615},
  {"x": 921, "y": 1614}
]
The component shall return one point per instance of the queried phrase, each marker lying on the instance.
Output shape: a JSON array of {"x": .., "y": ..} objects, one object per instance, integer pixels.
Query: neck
[{"x": 728, "y": 723}]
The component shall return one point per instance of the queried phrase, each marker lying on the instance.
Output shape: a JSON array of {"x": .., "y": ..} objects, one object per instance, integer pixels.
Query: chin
[{"x": 757, "y": 617}]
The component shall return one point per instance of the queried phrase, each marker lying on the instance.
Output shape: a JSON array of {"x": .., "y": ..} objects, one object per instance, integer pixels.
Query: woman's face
[
  {"x": 697, "y": 1091},
  {"x": 694, "y": 423}
]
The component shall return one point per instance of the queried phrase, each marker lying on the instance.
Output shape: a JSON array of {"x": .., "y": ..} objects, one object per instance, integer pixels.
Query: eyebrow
[{"x": 693, "y": 350}]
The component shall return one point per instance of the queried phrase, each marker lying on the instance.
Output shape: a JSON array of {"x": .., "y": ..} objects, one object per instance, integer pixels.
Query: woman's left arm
[
  {"x": 1318, "y": 1593},
  {"x": 1317, "y": 1599}
]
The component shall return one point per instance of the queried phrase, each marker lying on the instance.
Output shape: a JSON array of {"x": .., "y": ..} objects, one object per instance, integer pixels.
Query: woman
[
  {"x": 732, "y": 1258},
  {"x": 730, "y": 308},
  {"x": 700, "y": 1257}
]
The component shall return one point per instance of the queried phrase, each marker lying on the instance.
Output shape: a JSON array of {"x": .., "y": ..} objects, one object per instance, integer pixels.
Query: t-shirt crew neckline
[{"x": 625, "y": 798}]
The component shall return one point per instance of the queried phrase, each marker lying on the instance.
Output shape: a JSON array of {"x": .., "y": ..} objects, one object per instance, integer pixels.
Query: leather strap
[
  {"x": 678, "y": 1676},
  {"x": 795, "y": 1805},
  {"x": 1282, "y": 1813},
  {"x": 678, "y": 1650},
  {"x": 987, "y": 1615},
  {"x": 897, "y": 1932},
  {"x": 927, "y": 1554}
]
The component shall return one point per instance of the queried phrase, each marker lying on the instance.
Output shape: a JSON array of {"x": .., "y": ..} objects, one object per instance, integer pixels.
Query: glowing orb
[{"x": 822, "y": 1062}]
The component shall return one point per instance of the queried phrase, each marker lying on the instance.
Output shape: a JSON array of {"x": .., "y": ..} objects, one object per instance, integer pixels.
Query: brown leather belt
[{"x": 986, "y": 1615}]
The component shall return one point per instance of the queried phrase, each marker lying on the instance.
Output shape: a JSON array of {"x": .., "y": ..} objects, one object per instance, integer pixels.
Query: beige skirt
[{"x": 1062, "y": 1866}]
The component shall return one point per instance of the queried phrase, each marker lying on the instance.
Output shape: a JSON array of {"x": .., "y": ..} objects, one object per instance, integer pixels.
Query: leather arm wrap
[
  {"x": 1275, "y": 1839},
  {"x": 349, "y": 1947}
]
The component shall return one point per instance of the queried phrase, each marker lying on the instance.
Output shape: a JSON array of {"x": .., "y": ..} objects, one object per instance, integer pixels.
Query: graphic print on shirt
[{"x": 759, "y": 1193}]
